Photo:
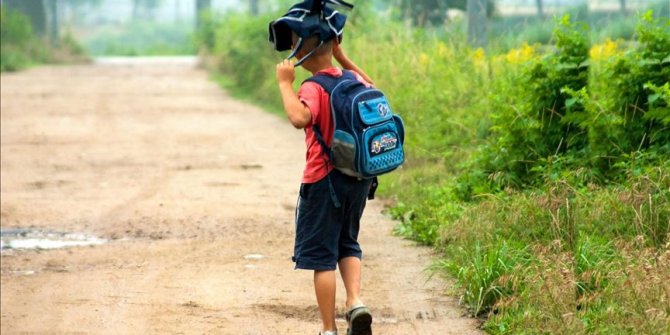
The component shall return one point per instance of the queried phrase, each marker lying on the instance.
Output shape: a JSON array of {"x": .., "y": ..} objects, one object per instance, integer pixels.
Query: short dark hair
[{"x": 312, "y": 42}]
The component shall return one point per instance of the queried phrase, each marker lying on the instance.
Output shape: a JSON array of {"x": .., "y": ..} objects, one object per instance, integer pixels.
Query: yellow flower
[
  {"x": 605, "y": 50},
  {"x": 424, "y": 59},
  {"x": 479, "y": 55},
  {"x": 520, "y": 55},
  {"x": 442, "y": 49}
]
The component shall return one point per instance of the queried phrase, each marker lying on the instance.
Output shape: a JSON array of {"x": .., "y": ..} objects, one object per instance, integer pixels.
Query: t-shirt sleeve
[{"x": 310, "y": 95}]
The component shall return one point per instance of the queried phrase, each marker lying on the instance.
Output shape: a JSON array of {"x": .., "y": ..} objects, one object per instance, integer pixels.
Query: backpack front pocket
[
  {"x": 374, "y": 111},
  {"x": 383, "y": 149}
]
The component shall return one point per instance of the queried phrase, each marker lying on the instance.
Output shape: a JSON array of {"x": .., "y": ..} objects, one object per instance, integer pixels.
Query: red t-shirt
[{"x": 318, "y": 101}]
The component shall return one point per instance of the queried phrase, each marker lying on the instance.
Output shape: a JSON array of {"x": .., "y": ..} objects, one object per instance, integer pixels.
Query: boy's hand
[{"x": 285, "y": 72}]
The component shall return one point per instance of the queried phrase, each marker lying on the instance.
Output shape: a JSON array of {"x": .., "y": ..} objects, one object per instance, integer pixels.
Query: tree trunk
[
  {"x": 623, "y": 6},
  {"x": 477, "y": 22},
  {"x": 540, "y": 8},
  {"x": 54, "y": 34},
  {"x": 253, "y": 7},
  {"x": 200, "y": 7},
  {"x": 136, "y": 9},
  {"x": 34, "y": 9}
]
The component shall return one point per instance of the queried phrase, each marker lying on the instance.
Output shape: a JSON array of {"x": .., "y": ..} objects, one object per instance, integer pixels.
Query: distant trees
[
  {"x": 43, "y": 18},
  {"x": 141, "y": 8},
  {"x": 434, "y": 12},
  {"x": 34, "y": 9},
  {"x": 200, "y": 7},
  {"x": 253, "y": 7},
  {"x": 54, "y": 31},
  {"x": 477, "y": 22}
]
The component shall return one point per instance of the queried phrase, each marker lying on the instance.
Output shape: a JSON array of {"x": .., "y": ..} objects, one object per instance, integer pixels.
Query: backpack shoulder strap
[{"x": 329, "y": 82}]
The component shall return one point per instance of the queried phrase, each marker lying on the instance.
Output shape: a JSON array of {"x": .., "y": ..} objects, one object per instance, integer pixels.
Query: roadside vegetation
[
  {"x": 143, "y": 38},
  {"x": 539, "y": 170},
  {"x": 20, "y": 47}
]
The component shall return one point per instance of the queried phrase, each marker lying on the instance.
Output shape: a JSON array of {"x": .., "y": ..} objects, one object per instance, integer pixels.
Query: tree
[
  {"x": 540, "y": 8},
  {"x": 43, "y": 19},
  {"x": 143, "y": 7},
  {"x": 76, "y": 10},
  {"x": 434, "y": 12},
  {"x": 34, "y": 9},
  {"x": 200, "y": 7},
  {"x": 54, "y": 33},
  {"x": 623, "y": 6},
  {"x": 253, "y": 7},
  {"x": 477, "y": 22}
]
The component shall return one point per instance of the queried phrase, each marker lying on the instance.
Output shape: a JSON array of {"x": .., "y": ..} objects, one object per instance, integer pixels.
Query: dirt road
[{"x": 194, "y": 193}]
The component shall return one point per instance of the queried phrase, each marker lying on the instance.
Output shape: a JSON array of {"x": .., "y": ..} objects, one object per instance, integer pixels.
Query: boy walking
[{"x": 331, "y": 203}]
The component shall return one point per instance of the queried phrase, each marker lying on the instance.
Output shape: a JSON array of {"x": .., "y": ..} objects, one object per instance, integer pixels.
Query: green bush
[
  {"x": 626, "y": 106},
  {"x": 533, "y": 118},
  {"x": 19, "y": 48}
]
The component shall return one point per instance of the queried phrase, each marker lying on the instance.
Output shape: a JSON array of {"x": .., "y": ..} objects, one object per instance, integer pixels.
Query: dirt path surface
[{"x": 195, "y": 193}]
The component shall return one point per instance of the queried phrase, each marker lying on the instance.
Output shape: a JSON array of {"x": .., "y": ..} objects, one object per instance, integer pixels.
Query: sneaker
[{"x": 360, "y": 320}]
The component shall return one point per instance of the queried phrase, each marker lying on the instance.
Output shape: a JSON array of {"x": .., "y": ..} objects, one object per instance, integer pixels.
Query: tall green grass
[{"x": 538, "y": 240}]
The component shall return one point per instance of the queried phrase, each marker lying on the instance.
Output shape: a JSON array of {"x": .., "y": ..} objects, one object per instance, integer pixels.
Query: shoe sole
[{"x": 361, "y": 323}]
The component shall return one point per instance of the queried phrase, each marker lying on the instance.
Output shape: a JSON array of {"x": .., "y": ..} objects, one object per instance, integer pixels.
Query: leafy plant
[{"x": 19, "y": 46}]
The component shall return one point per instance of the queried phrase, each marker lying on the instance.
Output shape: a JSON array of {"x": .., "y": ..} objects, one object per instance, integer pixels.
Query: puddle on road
[
  {"x": 40, "y": 239},
  {"x": 255, "y": 257}
]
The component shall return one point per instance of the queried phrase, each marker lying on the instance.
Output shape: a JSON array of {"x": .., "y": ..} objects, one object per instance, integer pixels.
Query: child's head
[
  {"x": 323, "y": 53},
  {"x": 309, "y": 17}
]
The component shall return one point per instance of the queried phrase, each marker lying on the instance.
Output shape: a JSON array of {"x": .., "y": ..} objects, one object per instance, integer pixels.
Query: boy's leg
[
  {"x": 324, "y": 286},
  {"x": 349, "y": 249},
  {"x": 350, "y": 269},
  {"x": 316, "y": 245},
  {"x": 358, "y": 316}
]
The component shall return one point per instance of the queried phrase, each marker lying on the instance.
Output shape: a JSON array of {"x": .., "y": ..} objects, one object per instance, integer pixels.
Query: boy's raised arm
[
  {"x": 347, "y": 63},
  {"x": 298, "y": 114}
]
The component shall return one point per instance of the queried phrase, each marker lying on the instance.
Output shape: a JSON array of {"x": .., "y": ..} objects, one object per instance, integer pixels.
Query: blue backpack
[{"x": 368, "y": 138}]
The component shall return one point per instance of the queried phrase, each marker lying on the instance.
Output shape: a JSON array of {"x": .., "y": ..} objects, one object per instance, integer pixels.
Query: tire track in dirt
[{"x": 185, "y": 182}]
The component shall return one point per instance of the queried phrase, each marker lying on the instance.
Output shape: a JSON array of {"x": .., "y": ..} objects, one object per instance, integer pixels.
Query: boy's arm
[
  {"x": 347, "y": 63},
  {"x": 298, "y": 114}
]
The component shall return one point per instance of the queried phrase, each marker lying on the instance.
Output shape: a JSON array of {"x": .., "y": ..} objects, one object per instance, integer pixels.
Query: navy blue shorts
[{"x": 325, "y": 234}]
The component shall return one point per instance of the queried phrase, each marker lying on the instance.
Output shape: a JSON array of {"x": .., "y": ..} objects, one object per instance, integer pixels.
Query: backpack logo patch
[
  {"x": 384, "y": 143},
  {"x": 383, "y": 109}
]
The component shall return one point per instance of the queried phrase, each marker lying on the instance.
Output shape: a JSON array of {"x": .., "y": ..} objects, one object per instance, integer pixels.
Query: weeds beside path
[{"x": 184, "y": 182}]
